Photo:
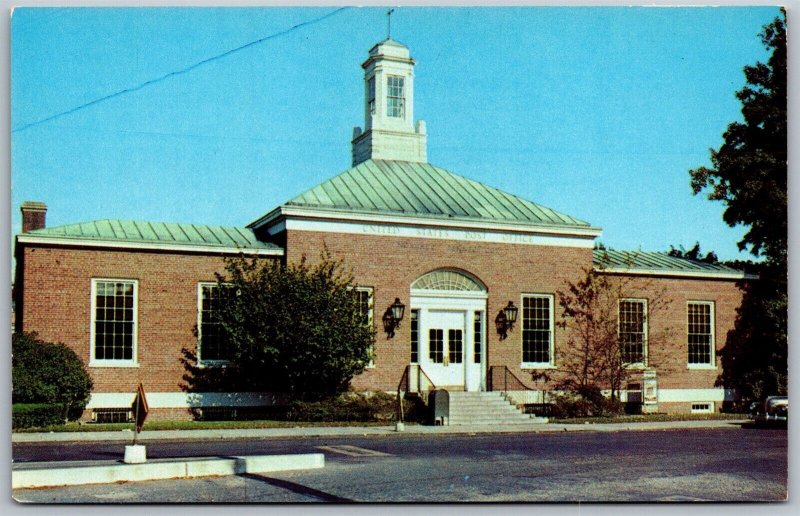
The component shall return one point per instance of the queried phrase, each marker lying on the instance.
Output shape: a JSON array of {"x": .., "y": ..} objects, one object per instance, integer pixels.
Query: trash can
[{"x": 439, "y": 403}]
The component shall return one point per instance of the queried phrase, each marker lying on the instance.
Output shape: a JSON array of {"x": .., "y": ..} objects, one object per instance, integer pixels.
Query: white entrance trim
[{"x": 430, "y": 302}]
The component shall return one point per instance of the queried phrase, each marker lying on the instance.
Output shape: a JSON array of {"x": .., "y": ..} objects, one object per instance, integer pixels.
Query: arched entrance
[{"x": 448, "y": 318}]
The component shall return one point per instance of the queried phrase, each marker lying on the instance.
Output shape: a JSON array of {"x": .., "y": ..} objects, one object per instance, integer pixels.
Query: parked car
[{"x": 774, "y": 409}]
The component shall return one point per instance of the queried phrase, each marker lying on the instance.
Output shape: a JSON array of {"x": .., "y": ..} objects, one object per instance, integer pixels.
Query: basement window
[
  {"x": 702, "y": 408},
  {"x": 112, "y": 415}
]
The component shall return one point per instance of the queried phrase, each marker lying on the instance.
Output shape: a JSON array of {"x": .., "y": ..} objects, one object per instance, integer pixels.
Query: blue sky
[{"x": 595, "y": 112}]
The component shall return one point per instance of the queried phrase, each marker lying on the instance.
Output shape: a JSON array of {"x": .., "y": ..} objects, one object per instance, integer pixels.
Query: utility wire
[{"x": 178, "y": 72}]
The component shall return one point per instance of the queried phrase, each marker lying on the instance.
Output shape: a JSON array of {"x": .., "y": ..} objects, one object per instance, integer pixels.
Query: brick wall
[
  {"x": 668, "y": 349},
  {"x": 57, "y": 300},
  {"x": 390, "y": 265},
  {"x": 57, "y": 305}
]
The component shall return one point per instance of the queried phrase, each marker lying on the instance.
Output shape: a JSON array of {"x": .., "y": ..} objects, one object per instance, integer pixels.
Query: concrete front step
[
  {"x": 485, "y": 408},
  {"x": 528, "y": 421},
  {"x": 480, "y": 404}
]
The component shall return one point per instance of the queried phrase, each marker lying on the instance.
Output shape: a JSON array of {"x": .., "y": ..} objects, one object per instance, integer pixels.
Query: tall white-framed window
[
  {"x": 537, "y": 330},
  {"x": 396, "y": 97},
  {"x": 700, "y": 334},
  {"x": 212, "y": 344},
  {"x": 114, "y": 323},
  {"x": 632, "y": 327},
  {"x": 364, "y": 298}
]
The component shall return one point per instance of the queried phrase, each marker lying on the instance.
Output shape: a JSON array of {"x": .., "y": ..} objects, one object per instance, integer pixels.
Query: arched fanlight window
[{"x": 444, "y": 279}]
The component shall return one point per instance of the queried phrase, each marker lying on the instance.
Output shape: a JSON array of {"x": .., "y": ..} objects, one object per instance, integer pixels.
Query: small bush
[
  {"x": 43, "y": 372},
  {"x": 31, "y": 415},
  {"x": 590, "y": 402},
  {"x": 415, "y": 410},
  {"x": 378, "y": 406}
]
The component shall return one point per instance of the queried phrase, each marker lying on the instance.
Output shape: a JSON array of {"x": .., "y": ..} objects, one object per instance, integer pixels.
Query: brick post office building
[{"x": 129, "y": 296}]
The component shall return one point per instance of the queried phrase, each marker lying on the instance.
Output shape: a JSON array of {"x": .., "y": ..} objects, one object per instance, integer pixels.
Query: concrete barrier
[{"x": 70, "y": 476}]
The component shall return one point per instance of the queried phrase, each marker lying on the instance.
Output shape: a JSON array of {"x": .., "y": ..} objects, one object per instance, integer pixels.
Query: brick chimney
[{"x": 33, "y": 215}]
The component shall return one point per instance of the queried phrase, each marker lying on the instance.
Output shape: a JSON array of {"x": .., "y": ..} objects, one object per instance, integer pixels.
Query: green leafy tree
[
  {"x": 43, "y": 372},
  {"x": 296, "y": 328},
  {"x": 749, "y": 169},
  {"x": 749, "y": 175}
]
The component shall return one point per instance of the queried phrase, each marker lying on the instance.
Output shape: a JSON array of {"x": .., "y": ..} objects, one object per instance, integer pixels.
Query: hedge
[{"x": 30, "y": 415}]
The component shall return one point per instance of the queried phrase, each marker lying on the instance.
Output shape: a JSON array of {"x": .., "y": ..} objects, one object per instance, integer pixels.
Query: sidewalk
[{"x": 300, "y": 432}]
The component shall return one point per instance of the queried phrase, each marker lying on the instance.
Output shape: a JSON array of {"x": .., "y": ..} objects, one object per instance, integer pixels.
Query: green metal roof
[
  {"x": 656, "y": 262},
  {"x": 421, "y": 189},
  {"x": 158, "y": 233}
]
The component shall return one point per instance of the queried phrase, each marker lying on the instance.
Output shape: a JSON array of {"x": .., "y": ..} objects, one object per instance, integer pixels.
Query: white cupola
[{"x": 389, "y": 130}]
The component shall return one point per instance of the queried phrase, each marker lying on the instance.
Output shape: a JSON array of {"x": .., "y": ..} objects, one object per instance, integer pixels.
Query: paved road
[{"x": 670, "y": 465}]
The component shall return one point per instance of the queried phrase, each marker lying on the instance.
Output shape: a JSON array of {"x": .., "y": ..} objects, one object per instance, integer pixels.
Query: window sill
[
  {"x": 701, "y": 366},
  {"x": 114, "y": 363},
  {"x": 213, "y": 364},
  {"x": 637, "y": 366},
  {"x": 532, "y": 365}
]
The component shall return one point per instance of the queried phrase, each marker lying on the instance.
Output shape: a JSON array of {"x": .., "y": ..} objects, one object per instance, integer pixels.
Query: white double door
[{"x": 448, "y": 335}]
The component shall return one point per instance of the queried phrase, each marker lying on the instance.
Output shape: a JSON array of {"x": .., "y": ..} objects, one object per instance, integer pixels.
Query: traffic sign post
[{"x": 136, "y": 453}]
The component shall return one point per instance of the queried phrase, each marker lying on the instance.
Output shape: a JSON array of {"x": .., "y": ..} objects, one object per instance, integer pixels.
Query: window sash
[
  {"x": 213, "y": 346},
  {"x": 632, "y": 327},
  {"x": 455, "y": 345},
  {"x": 395, "y": 98},
  {"x": 477, "y": 338},
  {"x": 537, "y": 329},
  {"x": 365, "y": 301},
  {"x": 414, "y": 336},
  {"x": 700, "y": 333},
  {"x": 436, "y": 345},
  {"x": 371, "y": 94},
  {"x": 114, "y": 321}
]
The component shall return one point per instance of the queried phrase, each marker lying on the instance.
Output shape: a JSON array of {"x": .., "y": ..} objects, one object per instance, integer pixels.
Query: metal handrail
[
  {"x": 507, "y": 376},
  {"x": 405, "y": 381},
  {"x": 501, "y": 378},
  {"x": 404, "y": 378},
  {"x": 428, "y": 378}
]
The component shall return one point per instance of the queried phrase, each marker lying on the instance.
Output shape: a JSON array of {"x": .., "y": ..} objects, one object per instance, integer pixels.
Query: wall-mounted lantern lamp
[
  {"x": 505, "y": 319},
  {"x": 393, "y": 316}
]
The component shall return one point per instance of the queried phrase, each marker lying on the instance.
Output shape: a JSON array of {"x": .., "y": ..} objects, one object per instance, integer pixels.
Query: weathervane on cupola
[{"x": 389, "y": 132}]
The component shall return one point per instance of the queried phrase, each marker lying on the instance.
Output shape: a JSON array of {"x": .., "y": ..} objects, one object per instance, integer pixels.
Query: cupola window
[
  {"x": 371, "y": 95},
  {"x": 395, "y": 101}
]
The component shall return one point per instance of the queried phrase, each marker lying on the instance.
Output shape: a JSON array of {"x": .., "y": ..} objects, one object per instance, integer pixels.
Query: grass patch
[{"x": 648, "y": 418}]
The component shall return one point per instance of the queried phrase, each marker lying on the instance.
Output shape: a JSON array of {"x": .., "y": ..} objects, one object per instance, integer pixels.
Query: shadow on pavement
[
  {"x": 297, "y": 488},
  {"x": 760, "y": 425}
]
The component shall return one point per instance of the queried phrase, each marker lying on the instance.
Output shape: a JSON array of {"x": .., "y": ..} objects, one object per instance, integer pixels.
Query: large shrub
[
  {"x": 297, "y": 329},
  {"x": 43, "y": 372}
]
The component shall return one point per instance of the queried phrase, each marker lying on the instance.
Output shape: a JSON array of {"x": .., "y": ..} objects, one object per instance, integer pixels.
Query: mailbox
[{"x": 439, "y": 404}]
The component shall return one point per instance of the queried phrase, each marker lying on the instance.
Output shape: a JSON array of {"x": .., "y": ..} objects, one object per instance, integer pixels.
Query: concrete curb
[
  {"x": 300, "y": 432},
  {"x": 107, "y": 474}
]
